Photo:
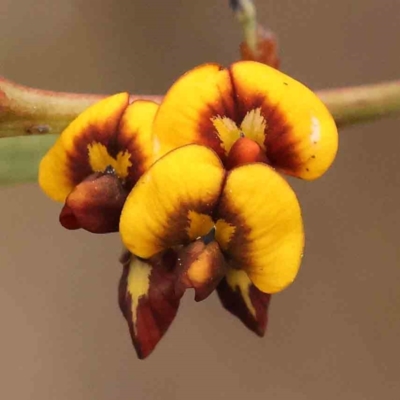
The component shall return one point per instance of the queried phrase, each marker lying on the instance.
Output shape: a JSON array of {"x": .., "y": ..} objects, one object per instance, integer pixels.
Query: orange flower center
[{"x": 252, "y": 127}]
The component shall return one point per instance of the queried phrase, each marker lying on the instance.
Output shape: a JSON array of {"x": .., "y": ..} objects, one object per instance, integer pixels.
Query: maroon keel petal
[
  {"x": 200, "y": 266},
  {"x": 241, "y": 298},
  {"x": 245, "y": 151},
  {"x": 68, "y": 219},
  {"x": 148, "y": 300},
  {"x": 95, "y": 204}
]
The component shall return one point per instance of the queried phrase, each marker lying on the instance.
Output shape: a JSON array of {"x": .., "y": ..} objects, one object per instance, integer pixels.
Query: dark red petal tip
[
  {"x": 148, "y": 300},
  {"x": 68, "y": 219},
  {"x": 248, "y": 304}
]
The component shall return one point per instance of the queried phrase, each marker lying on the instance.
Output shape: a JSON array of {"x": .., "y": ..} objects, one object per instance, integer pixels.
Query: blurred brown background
[{"x": 333, "y": 334}]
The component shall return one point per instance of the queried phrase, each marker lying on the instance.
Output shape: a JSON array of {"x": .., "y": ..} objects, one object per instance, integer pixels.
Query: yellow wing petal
[
  {"x": 265, "y": 232},
  {"x": 158, "y": 213}
]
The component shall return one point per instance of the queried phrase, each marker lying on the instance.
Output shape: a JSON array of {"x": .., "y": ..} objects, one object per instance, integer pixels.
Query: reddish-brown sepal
[
  {"x": 266, "y": 51},
  {"x": 95, "y": 204},
  {"x": 247, "y": 303},
  {"x": 148, "y": 300}
]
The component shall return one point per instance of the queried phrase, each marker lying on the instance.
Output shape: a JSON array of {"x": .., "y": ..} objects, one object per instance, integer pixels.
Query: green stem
[
  {"x": 357, "y": 104},
  {"x": 245, "y": 12},
  {"x": 20, "y": 157},
  {"x": 26, "y": 111}
]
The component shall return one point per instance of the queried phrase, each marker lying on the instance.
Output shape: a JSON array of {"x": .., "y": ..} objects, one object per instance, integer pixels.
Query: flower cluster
[{"x": 194, "y": 187}]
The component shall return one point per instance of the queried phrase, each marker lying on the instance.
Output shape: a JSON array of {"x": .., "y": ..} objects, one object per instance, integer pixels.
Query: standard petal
[
  {"x": 241, "y": 298},
  {"x": 148, "y": 300},
  {"x": 171, "y": 203},
  {"x": 260, "y": 226},
  {"x": 187, "y": 111},
  {"x": 87, "y": 145},
  {"x": 301, "y": 138}
]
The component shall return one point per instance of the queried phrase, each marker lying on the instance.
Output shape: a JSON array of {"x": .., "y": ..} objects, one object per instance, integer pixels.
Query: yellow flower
[
  {"x": 97, "y": 160},
  {"x": 285, "y": 123},
  {"x": 213, "y": 212}
]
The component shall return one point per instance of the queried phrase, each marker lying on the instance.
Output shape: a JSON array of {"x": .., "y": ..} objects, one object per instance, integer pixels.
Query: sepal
[
  {"x": 147, "y": 299},
  {"x": 242, "y": 299}
]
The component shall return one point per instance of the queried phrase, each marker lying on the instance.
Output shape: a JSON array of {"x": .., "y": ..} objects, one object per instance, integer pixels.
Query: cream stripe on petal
[
  {"x": 138, "y": 284},
  {"x": 238, "y": 280}
]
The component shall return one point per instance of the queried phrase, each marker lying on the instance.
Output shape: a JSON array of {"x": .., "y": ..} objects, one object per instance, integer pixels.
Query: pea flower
[
  {"x": 97, "y": 160},
  {"x": 213, "y": 212}
]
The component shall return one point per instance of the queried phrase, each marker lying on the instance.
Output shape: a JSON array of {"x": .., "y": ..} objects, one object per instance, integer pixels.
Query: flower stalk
[
  {"x": 26, "y": 111},
  {"x": 357, "y": 104},
  {"x": 245, "y": 13},
  {"x": 20, "y": 157}
]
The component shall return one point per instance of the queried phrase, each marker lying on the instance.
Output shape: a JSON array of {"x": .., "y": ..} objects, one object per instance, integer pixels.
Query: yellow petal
[
  {"x": 67, "y": 162},
  {"x": 265, "y": 230},
  {"x": 187, "y": 111},
  {"x": 301, "y": 137},
  {"x": 158, "y": 212}
]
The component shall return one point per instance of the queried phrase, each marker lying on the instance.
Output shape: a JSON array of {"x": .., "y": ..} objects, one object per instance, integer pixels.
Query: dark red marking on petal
[
  {"x": 200, "y": 266},
  {"x": 207, "y": 133},
  {"x": 245, "y": 151},
  {"x": 156, "y": 310},
  {"x": 281, "y": 148},
  {"x": 128, "y": 141},
  {"x": 103, "y": 130},
  {"x": 222, "y": 106},
  {"x": 238, "y": 246},
  {"x": 79, "y": 157},
  {"x": 232, "y": 300},
  {"x": 96, "y": 204},
  {"x": 175, "y": 229}
]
